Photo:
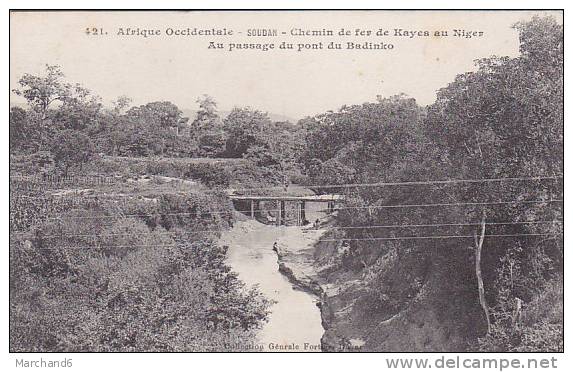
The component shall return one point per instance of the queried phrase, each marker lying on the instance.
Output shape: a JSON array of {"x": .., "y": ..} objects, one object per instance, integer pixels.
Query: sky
[{"x": 284, "y": 82}]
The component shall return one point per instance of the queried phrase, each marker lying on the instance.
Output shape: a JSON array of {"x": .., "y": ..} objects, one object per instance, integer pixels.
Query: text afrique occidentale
[{"x": 396, "y": 32}]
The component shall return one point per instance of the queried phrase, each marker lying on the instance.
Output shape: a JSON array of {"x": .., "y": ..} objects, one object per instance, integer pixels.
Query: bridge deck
[{"x": 310, "y": 198}]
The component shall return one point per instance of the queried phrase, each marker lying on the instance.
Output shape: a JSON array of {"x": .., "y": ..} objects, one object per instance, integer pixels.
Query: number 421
[{"x": 95, "y": 31}]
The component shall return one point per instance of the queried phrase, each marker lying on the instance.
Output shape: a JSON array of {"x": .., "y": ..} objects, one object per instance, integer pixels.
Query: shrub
[
  {"x": 117, "y": 283},
  {"x": 538, "y": 329},
  {"x": 209, "y": 174}
]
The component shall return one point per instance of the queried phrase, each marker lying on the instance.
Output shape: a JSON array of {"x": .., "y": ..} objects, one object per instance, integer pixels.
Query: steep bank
[{"x": 439, "y": 317}]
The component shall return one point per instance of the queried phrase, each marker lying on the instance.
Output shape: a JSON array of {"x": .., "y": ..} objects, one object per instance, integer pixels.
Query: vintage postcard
[{"x": 286, "y": 181}]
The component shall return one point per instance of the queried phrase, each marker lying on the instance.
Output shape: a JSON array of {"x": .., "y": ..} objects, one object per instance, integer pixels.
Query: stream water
[{"x": 294, "y": 323}]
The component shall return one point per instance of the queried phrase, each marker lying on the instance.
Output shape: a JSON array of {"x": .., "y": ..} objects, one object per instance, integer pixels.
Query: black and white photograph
[{"x": 229, "y": 181}]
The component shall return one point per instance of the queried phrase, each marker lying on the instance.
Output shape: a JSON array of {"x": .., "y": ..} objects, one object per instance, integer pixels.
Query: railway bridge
[{"x": 254, "y": 202}]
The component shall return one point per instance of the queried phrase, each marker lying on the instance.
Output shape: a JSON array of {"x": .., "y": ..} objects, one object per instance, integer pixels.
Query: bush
[
  {"x": 117, "y": 283},
  {"x": 538, "y": 329},
  {"x": 212, "y": 144},
  {"x": 210, "y": 175},
  {"x": 161, "y": 167},
  {"x": 38, "y": 162}
]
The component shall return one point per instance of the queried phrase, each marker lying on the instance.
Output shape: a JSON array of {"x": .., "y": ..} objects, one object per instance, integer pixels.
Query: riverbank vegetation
[
  {"x": 115, "y": 217},
  {"x": 115, "y": 212},
  {"x": 117, "y": 273},
  {"x": 503, "y": 121}
]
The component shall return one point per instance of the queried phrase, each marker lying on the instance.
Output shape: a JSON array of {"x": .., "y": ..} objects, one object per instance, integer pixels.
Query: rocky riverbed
[{"x": 307, "y": 266}]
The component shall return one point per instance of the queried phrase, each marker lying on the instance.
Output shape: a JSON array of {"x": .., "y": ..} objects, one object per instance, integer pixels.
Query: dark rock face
[{"x": 440, "y": 316}]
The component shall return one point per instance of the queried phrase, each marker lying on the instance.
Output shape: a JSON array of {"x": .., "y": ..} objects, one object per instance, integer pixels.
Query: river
[{"x": 295, "y": 319}]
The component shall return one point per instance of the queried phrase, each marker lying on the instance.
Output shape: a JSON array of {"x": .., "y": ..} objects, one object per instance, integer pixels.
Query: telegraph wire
[
  {"x": 431, "y": 237},
  {"x": 408, "y": 183},
  {"x": 336, "y": 209},
  {"x": 319, "y": 240},
  {"x": 382, "y": 184},
  {"x": 168, "y": 233}
]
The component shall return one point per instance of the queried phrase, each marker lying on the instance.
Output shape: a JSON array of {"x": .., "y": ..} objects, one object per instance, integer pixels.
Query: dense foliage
[
  {"x": 114, "y": 235},
  {"x": 134, "y": 275},
  {"x": 502, "y": 121}
]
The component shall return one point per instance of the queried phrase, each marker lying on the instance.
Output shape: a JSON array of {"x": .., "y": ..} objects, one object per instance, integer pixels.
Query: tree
[
  {"x": 207, "y": 128},
  {"x": 207, "y": 117},
  {"x": 19, "y": 128},
  {"x": 79, "y": 112},
  {"x": 28, "y": 132},
  {"x": 157, "y": 121},
  {"x": 505, "y": 120},
  {"x": 244, "y": 127},
  {"x": 212, "y": 144},
  {"x": 41, "y": 92},
  {"x": 373, "y": 138},
  {"x": 279, "y": 148},
  {"x": 162, "y": 114},
  {"x": 55, "y": 104},
  {"x": 121, "y": 104},
  {"x": 117, "y": 133},
  {"x": 71, "y": 148}
]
